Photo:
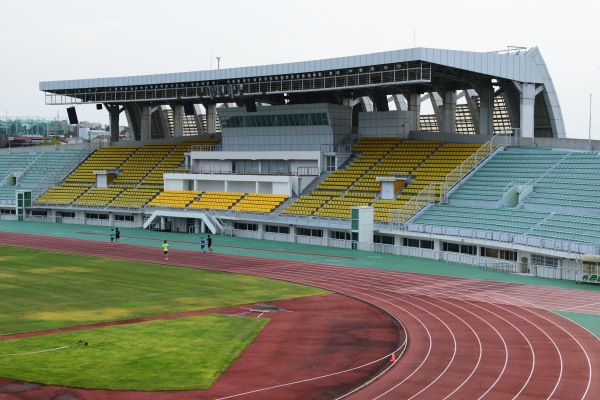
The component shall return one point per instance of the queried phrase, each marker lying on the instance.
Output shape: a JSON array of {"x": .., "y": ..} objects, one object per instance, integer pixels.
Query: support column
[
  {"x": 528, "y": 92},
  {"x": 146, "y": 123},
  {"x": 177, "y": 119},
  {"x": 486, "y": 110},
  {"x": 414, "y": 109},
  {"x": 132, "y": 113},
  {"x": 114, "y": 111},
  {"x": 449, "y": 112},
  {"x": 211, "y": 118}
]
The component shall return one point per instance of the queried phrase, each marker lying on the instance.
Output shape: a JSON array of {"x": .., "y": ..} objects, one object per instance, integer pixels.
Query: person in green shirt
[{"x": 165, "y": 247}]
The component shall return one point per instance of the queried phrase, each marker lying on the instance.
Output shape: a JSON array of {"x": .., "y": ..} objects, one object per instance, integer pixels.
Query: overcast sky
[{"x": 44, "y": 40}]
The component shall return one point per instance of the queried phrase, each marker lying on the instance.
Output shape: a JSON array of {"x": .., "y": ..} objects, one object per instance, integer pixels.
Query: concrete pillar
[
  {"x": 211, "y": 118},
  {"x": 163, "y": 223},
  {"x": 414, "y": 109},
  {"x": 114, "y": 111},
  {"x": 160, "y": 123},
  {"x": 449, "y": 112},
  {"x": 528, "y": 92},
  {"x": 486, "y": 110},
  {"x": 177, "y": 120},
  {"x": 132, "y": 114},
  {"x": 146, "y": 123}
]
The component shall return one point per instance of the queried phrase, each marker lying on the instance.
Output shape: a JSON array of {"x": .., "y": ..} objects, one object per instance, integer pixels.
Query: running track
[{"x": 468, "y": 339}]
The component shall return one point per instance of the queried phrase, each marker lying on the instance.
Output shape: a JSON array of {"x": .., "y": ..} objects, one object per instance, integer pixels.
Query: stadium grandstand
[{"x": 338, "y": 152}]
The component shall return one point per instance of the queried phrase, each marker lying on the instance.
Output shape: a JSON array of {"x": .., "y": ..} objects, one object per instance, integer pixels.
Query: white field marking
[
  {"x": 506, "y": 350},
  {"x": 574, "y": 339},
  {"x": 580, "y": 306},
  {"x": 363, "y": 293},
  {"x": 534, "y": 325},
  {"x": 401, "y": 348},
  {"x": 450, "y": 362},
  {"x": 39, "y": 351},
  {"x": 321, "y": 284}
]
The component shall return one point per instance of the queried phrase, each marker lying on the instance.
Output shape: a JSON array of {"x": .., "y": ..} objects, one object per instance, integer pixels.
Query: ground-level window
[
  {"x": 459, "y": 248},
  {"x": 309, "y": 232},
  {"x": 277, "y": 229},
  {"x": 245, "y": 227},
  {"x": 96, "y": 216},
  {"x": 424, "y": 244},
  {"x": 383, "y": 239},
  {"x": 502, "y": 254},
  {"x": 339, "y": 235},
  {"x": 537, "y": 259}
]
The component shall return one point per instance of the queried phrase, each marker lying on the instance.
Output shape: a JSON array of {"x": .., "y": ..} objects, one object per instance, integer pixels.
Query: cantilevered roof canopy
[{"x": 417, "y": 70}]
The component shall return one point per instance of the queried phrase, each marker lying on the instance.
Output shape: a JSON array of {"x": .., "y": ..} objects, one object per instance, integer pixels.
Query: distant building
[{"x": 26, "y": 141}]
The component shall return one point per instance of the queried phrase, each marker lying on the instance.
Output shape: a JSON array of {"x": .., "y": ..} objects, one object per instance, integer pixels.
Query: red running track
[{"x": 467, "y": 339}]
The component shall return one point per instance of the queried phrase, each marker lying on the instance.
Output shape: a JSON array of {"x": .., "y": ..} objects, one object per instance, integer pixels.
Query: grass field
[{"x": 43, "y": 290}]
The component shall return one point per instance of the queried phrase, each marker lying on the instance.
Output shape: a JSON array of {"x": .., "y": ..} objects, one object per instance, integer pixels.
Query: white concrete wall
[
  {"x": 222, "y": 161},
  {"x": 175, "y": 184},
  {"x": 271, "y": 184}
]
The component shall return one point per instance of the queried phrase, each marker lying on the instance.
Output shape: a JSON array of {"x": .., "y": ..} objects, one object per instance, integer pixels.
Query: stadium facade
[{"x": 340, "y": 151}]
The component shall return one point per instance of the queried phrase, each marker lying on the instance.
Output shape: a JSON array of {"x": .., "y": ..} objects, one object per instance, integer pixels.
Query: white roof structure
[{"x": 519, "y": 75}]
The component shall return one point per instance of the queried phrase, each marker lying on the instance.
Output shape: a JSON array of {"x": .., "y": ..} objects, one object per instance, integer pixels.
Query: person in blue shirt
[
  {"x": 112, "y": 237},
  {"x": 202, "y": 243}
]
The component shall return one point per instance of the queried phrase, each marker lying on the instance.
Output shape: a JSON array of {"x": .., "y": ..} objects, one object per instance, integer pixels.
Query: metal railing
[
  {"x": 438, "y": 192},
  {"x": 256, "y": 147},
  {"x": 69, "y": 166},
  {"x": 491, "y": 264},
  {"x": 300, "y": 171}
]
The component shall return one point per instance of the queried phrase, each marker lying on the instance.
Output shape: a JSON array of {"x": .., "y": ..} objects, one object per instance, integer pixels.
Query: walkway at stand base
[
  {"x": 282, "y": 251},
  {"x": 467, "y": 337}
]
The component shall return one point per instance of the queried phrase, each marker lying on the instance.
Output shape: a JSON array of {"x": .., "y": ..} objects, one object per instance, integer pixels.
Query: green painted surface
[{"x": 299, "y": 252}]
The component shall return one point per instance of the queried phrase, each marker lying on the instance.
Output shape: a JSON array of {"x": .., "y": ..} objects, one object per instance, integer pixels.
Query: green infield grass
[
  {"x": 44, "y": 290},
  {"x": 177, "y": 354}
]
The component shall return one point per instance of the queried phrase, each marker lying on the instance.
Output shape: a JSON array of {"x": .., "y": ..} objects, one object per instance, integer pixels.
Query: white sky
[{"x": 45, "y": 40}]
